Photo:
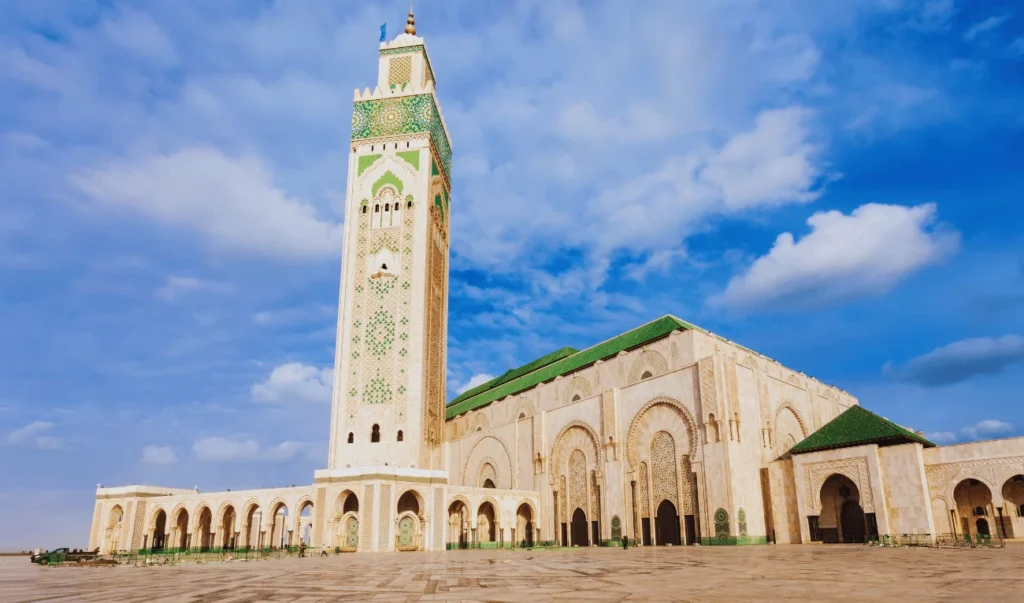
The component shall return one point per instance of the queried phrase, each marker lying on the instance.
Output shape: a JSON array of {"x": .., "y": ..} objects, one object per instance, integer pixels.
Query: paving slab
[{"x": 734, "y": 574}]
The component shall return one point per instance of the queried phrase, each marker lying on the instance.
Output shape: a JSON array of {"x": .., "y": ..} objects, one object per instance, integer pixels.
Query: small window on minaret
[
  {"x": 397, "y": 206},
  {"x": 376, "y": 208},
  {"x": 375, "y": 433},
  {"x": 351, "y": 437},
  {"x": 384, "y": 266},
  {"x": 364, "y": 209},
  {"x": 408, "y": 205},
  {"x": 387, "y": 207},
  {"x": 400, "y": 437}
]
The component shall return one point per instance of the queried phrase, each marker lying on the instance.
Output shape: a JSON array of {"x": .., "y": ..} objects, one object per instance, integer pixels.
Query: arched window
[
  {"x": 351, "y": 437},
  {"x": 398, "y": 206},
  {"x": 364, "y": 209},
  {"x": 400, "y": 436},
  {"x": 408, "y": 205},
  {"x": 646, "y": 375},
  {"x": 387, "y": 207},
  {"x": 522, "y": 416},
  {"x": 1020, "y": 511},
  {"x": 376, "y": 208},
  {"x": 576, "y": 398},
  {"x": 488, "y": 483},
  {"x": 979, "y": 511},
  {"x": 375, "y": 433}
]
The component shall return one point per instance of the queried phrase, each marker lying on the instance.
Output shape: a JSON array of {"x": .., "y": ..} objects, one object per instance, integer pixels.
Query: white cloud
[
  {"x": 34, "y": 435},
  {"x": 988, "y": 427},
  {"x": 1016, "y": 47},
  {"x": 219, "y": 448},
  {"x": 295, "y": 382},
  {"x": 159, "y": 455},
  {"x": 176, "y": 286},
  {"x": 772, "y": 164},
  {"x": 982, "y": 26},
  {"x": 141, "y": 37},
  {"x": 232, "y": 449},
  {"x": 474, "y": 381},
  {"x": 941, "y": 437},
  {"x": 232, "y": 201},
  {"x": 933, "y": 15},
  {"x": 843, "y": 257},
  {"x": 964, "y": 359}
]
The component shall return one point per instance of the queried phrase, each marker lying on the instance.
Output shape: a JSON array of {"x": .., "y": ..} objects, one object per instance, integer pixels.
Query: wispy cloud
[
  {"x": 232, "y": 449},
  {"x": 34, "y": 435},
  {"x": 963, "y": 360},
  {"x": 986, "y": 25},
  {"x": 986, "y": 428},
  {"x": 231, "y": 201},
  {"x": 159, "y": 455},
  {"x": 475, "y": 380}
]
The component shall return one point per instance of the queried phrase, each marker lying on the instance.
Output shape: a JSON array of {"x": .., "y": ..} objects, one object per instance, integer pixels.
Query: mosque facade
[{"x": 667, "y": 433}]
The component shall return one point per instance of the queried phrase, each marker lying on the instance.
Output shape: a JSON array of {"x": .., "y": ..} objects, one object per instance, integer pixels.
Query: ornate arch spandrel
[
  {"x": 466, "y": 475},
  {"x": 577, "y": 385},
  {"x": 594, "y": 438},
  {"x": 855, "y": 469},
  {"x": 694, "y": 437},
  {"x": 651, "y": 360}
]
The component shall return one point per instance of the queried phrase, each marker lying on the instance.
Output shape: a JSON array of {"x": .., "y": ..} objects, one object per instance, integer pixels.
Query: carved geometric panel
[
  {"x": 645, "y": 508},
  {"x": 367, "y": 520},
  {"x": 320, "y": 513},
  {"x": 577, "y": 481},
  {"x": 384, "y": 523},
  {"x": 663, "y": 469},
  {"x": 139, "y": 525},
  {"x": 856, "y": 469},
  {"x": 438, "y": 518}
]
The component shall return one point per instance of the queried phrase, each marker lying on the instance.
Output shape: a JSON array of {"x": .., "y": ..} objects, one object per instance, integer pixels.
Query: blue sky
[{"x": 836, "y": 185}]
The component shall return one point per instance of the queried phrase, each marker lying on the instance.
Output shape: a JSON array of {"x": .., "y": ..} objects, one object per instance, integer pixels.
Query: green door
[
  {"x": 406, "y": 532},
  {"x": 352, "y": 533}
]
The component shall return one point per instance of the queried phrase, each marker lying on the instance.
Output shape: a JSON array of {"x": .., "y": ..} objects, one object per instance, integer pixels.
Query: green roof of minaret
[{"x": 857, "y": 426}]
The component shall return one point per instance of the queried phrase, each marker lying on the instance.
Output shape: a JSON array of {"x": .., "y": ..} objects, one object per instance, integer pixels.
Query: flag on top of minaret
[{"x": 383, "y": 30}]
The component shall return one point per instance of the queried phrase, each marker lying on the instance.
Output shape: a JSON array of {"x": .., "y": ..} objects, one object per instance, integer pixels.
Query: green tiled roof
[
  {"x": 516, "y": 372},
  {"x": 562, "y": 362},
  {"x": 857, "y": 426}
]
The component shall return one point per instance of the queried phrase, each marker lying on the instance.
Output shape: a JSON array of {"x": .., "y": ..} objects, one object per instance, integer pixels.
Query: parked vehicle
[{"x": 64, "y": 555}]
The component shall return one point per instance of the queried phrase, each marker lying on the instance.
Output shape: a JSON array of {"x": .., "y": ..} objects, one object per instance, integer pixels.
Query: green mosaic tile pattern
[
  {"x": 857, "y": 426},
  {"x": 403, "y": 115},
  {"x": 365, "y": 161},
  {"x": 628, "y": 340},
  {"x": 380, "y": 333},
  {"x": 410, "y": 157},
  {"x": 387, "y": 178},
  {"x": 377, "y": 391}
]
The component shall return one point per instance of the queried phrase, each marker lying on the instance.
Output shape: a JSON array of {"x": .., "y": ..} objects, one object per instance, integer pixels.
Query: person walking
[
  {"x": 625, "y": 542},
  {"x": 302, "y": 548}
]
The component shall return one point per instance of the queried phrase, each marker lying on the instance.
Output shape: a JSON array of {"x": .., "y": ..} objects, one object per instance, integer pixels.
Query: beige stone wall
[
  {"x": 729, "y": 412},
  {"x": 906, "y": 489}
]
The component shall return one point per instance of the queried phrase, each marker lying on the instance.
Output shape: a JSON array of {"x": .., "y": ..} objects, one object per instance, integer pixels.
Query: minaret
[{"x": 389, "y": 369}]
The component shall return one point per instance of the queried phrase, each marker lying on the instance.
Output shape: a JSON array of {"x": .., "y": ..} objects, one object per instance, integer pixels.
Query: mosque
[{"x": 667, "y": 433}]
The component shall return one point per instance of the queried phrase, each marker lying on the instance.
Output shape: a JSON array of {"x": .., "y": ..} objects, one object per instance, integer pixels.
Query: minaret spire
[{"x": 410, "y": 23}]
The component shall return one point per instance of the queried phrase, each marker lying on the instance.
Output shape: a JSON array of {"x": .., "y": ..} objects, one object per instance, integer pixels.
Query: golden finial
[{"x": 410, "y": 23}]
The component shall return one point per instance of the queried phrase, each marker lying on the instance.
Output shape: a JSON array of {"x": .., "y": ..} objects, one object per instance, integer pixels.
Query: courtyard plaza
[{"x": 761, "y": 573}]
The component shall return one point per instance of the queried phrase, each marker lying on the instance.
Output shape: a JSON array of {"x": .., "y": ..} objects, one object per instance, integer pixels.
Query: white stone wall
[{"x": 742, "y": 414}]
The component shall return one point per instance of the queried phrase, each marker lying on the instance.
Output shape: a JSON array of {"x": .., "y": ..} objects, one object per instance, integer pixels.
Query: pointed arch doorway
[
  {"x": 580, "y": 536},
  {"x": 666, "y": 524}
]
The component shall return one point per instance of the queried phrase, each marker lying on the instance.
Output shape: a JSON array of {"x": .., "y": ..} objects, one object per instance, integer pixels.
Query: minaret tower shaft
[{"x": 388, "y": 400}]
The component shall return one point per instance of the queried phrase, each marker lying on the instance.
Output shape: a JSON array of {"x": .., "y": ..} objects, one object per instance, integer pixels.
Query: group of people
[{"x": 625, "y": 542}]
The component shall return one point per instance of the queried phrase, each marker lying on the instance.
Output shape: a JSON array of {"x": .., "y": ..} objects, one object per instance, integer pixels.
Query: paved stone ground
[{"x": 750, "y": 573}]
